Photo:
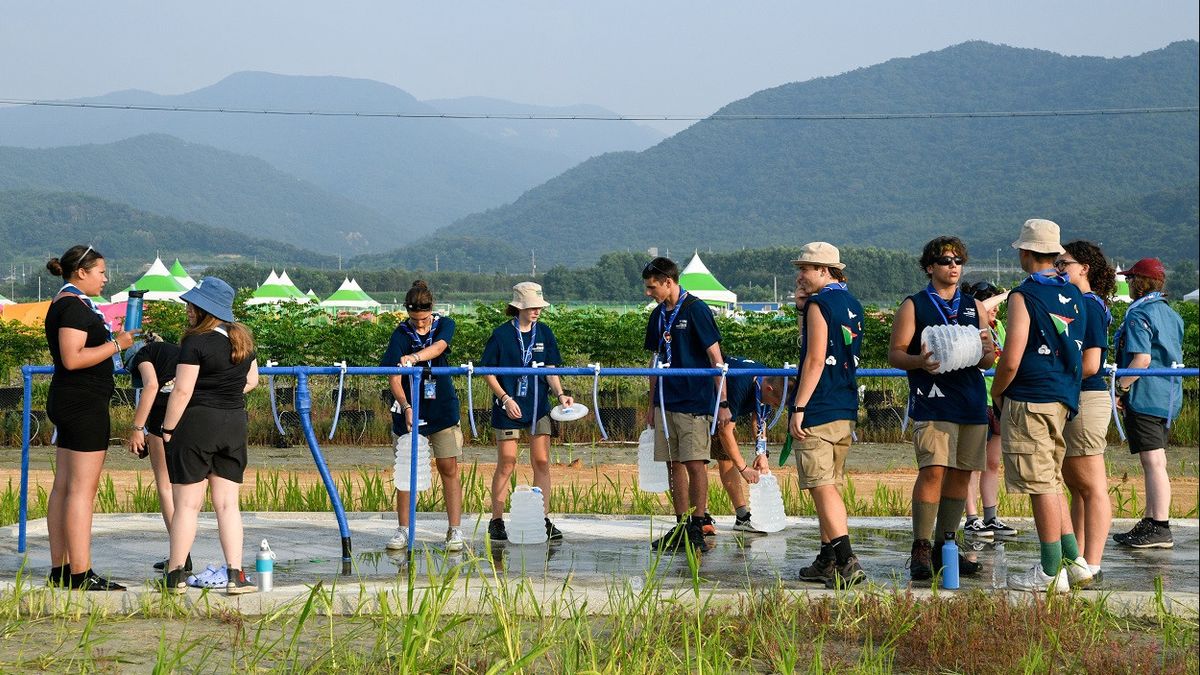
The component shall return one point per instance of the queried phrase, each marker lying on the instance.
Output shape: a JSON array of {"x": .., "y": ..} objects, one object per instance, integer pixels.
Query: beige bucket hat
[
  {"x": 820, "y": 253},
  {"x": 528, "y": 295},
  {"x": 1040, "y": 236}
]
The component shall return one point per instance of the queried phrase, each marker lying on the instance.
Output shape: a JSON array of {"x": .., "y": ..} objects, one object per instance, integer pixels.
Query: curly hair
[
  {"x": 1102, "y": 277},
  {"x": 938, "y": 247}
]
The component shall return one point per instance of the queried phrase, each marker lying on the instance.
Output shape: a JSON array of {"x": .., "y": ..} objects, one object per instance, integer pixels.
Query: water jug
[
  {"x": 954, "y": 347},
  {"x": 999, "y": 567},
  {"x": 401, "y": 476},
  {"x": 766, "y": 505},
  {"x": 652, "y": 475},
  {"x": 527, "y": 519},
  {"x": 264, "y": 566},
  {"x": 950, "y": 563},
  {"x": 133, "y": 310}
]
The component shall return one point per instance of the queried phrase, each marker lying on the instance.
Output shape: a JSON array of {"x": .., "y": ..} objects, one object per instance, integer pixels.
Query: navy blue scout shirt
[
  {"x": 1095, "y": 334},
  {"x": 441, "y": 412},
  {"x": 739, "y": 391},
  {"x": 694, "y": 331},
  {"x": 504, "y": 349},
  {"x": 836, "y": 395},
  {"x": 1051, "y": 368},
  {"x": 957, "y": 396}
]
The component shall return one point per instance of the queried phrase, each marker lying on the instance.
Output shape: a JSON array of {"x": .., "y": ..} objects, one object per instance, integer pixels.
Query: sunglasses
[
  {"x": 946, "y": 260},
  {"x": 1061, "y": 263},
  {"x": 420, "y": 308},
  {"x": 651, "y": 268}
]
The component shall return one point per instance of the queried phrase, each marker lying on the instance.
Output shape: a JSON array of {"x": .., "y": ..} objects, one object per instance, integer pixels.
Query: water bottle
[
  {"x": 527, "y": 519},
  {"x": 401, "y": 473},
  {"x": 950, "y": 563},
  {"x": 652, "y": 475},
  {"x": 999, "y": 567},
  {"x": 264, "y": 566},
  {"x": 766, "y": 505},
  {"x": 133, "y": 310}
]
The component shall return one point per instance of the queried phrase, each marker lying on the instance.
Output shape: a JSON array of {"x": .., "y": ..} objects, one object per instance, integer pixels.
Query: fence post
[{"x": 304, "y": 408}]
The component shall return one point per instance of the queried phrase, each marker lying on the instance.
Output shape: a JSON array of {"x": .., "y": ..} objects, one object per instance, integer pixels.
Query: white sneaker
[
  {"x": 399, "y": 540},
  {"x": 454, "y": 540},
  {"x": 1036, "y": 580},
  {"x": 1078, "y": 572}
]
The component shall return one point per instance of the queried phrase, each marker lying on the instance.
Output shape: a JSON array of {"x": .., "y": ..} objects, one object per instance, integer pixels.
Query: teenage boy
[
  {"x": 1037, "y": 384},
  {"x": 826, "y": 405},
  {"x": 682, "y": 333},
  {"x": 949, "y": 409}
]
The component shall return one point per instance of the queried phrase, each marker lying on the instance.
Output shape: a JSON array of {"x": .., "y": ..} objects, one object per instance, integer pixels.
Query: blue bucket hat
[{"x": 212, "y": 295}]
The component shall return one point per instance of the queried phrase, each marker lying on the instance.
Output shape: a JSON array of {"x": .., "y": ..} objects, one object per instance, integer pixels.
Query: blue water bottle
[
  {"x": 133, "y": 310},
  {"x": 950, "y": 563}
]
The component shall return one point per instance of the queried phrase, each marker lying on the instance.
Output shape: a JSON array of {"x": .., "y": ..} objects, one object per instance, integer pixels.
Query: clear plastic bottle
[
  {"x": 766, "y": 504},
  {"x": 400, "y": 475},
  {"x": 527, "y": 517},
  {"x": 999, "y": 567},
  {"x": 652, "y": 475}
]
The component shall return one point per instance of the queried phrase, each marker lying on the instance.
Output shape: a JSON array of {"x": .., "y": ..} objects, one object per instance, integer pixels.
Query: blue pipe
[
  {"x": 303, "y": 409},
  {"x": 415, "y": 402},
  {"x": 26, "y": 412}
]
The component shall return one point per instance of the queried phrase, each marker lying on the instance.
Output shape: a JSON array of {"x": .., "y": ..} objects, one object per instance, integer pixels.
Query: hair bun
[
  {"x": 420, "y": 284},
  {"x": 55, "y": 266}
]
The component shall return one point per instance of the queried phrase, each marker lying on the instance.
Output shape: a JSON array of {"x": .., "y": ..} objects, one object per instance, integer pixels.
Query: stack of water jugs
[
  {"x": 954, "y": 347},
  {"x": 652, "y": 475},
  {"x": 527, "y": 524},
  {"x": 766, "y": 505}
]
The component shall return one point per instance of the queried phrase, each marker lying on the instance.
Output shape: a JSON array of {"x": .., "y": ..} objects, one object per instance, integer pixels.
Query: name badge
[{"x": 429, "y": 387}]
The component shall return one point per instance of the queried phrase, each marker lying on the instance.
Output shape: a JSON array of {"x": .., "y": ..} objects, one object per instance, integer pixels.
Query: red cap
[{"x": 1150, "y": 268}]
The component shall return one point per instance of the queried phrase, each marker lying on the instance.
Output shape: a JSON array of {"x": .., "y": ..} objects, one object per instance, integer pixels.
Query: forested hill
[
  {"x": 189, "y": 181},
  {"x": 885, "y": 182}
]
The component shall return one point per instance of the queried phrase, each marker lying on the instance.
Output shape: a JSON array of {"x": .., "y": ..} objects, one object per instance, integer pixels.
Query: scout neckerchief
[
  {"x": 947, "y": 310},
  {"x": 1103, "y": 305},
  {"x": 91, "y": 304},
  {"x": 664, "y": 331},
  {"x": 1048, "y": 278},
  {"x": 419, "y": 342}
]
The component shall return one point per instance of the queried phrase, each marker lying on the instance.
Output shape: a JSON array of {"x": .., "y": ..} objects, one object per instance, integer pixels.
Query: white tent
[
  {"x": 6, "y": 301},
  {"x": 291, "y": 287},
  {"x": 181, "y": 275},
  {"x": 698, "y": 281},
  {"x": 275, "y": 290},
  {"x": 350, "y": 296},
  {"x": 1121, "y": 294},
  {"x": 1194, "y": 296},
  {"x": 158, "y": 284}
]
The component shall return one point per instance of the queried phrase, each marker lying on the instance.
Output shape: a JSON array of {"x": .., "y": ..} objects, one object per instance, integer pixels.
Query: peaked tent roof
[
  {"x": 158, "y": 284},
  {"x": 701, "y": 283},
  {"x": 292, "y": 288},
  {"x": 1194, "y": 296},
  {"x": 5, "y": 301},
  {"x": 350, "y": 296},
  {"x": 181, "y": 275},
  {"x": 1121, "y": 294},
  {"x": 276, "y": 290}
]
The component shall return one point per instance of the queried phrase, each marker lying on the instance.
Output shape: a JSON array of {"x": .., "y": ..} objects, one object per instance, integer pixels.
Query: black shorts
[
  {"x": 1144, "y": 432},
  {"x": 155, "y": 419},
  {"x": 81, "y": 418},
  {"x": 208, "y": 441}
]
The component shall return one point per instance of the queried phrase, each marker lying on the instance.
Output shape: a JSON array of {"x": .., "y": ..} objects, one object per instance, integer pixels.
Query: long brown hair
[
  {"x": 240, "y": 337},
  {"x": 1139, "y": 286}
]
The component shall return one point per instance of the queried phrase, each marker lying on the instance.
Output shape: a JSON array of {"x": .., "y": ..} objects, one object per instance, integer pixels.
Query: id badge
[
  {"x": 760, "y": 446},
  {"x": 523, "y": 386},
  {"x": 429, "y": 387}
]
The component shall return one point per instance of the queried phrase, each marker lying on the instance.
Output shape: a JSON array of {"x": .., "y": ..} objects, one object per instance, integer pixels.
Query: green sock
[
  {"x": 948, "y": 516},
  {"x": 1052, "y": 556},
  {"x": 1070, "y": 547},
  {"x": 924, "y": 517}
]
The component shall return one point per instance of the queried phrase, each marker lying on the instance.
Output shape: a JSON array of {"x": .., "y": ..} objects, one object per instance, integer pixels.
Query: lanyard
[
  {"x": 417, "y": 341},
  {"x": 74, "y": 290},
  {"x": 948, "y": 310},
  {"x": 664, "y": 332},
  {"x": 526, "y": 353}
]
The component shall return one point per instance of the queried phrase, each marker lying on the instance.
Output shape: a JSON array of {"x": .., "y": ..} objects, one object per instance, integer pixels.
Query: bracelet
[
  {"x": 168, "y": 432},
  {"x": 405, "y": 407},
  {"x": 141, "y": 428},
  {"x": 504, "y": 400}
]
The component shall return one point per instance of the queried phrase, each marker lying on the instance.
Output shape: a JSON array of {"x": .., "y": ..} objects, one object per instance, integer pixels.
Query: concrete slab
[{"x": 599, "y": 553}]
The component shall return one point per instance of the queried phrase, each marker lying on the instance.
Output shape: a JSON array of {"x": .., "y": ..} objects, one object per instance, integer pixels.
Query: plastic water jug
[
  {"x": 766, "y": 505},
  {"x": 954, "y": 347},
  {"x": 999, "y": 567},
  {"x": 527, "y": 519},
  {"x": 403, "y": 452},
  {"x": 264, "y": 566},
  {"x": 652, "y": 475},
  {"x": 950, "y": 563},
  {"x": 133, "y": 310}
]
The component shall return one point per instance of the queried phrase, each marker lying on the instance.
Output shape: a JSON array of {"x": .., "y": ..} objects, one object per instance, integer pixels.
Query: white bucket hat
[
  {"x": 820, "y": 253},
  {"x": 1040, "y": 236},
  {"x": 528, "y": 295}
]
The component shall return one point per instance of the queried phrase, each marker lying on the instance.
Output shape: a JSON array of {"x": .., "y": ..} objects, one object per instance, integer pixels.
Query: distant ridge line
[{"x": 610, "y": 118}]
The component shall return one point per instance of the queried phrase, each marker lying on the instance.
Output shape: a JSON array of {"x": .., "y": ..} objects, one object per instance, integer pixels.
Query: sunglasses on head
[
  {"x": 424, "y": 307},
  {"x": 651, "y": 268},
  {"x": 945, "y": 260}
]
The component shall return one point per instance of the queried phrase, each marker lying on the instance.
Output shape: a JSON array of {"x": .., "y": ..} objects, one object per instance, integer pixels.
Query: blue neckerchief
[
  {"x": 761, "y": 410},
  {"x": 1103, "y": 305},
  {"x": 419, "y": 342},
  {"x": 526, "y": 353},
  {"x": 1048, "y": 278},
  {"x": 835, "y": 286},
  {"x": 664, "y": 332},
  {"x": 74, "y": 290},
  {"x": 948, "y": 310},
  {"x": 1149, "y": 297}
]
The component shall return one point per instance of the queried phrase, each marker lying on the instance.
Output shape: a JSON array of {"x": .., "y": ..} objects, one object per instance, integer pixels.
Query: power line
[{"x": 1090, "y": 112}]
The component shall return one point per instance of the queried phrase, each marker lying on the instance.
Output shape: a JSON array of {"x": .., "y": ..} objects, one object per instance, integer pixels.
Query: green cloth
[
  {"x": 1052, "y": 556},
  {"x": 1070, "y": 547},
  {"x": 987, "y": 380}
]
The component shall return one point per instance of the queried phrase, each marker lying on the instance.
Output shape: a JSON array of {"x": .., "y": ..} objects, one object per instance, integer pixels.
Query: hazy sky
[{"x": 634, "y": 57}]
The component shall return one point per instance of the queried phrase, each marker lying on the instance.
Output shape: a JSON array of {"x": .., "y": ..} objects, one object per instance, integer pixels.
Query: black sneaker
[
  {"x": 496, "y": 531},
  {"x": 1152, "y": 536},
  {"x": 161, "y": 565},
  {"x": 93, "y": 582},
  {"x": 847, "y": 575},
  {"x": 707, "y": 525},
  {"x": 58, "y": 575},
  {"x": 820, "y": 571},
  {"x": 999, "y": 528},
  {"x": 920, "y": 561},
  {"x": 966, "y": 566},
  {"x": 679, "y": 537},
  {"x": 1140, "y": 528},
  {"x": 695, "y": 537},
  {"x": 552, "y": 532},
  {"x": 175, "y": 582},
  {"x": 238, "y": 584}
]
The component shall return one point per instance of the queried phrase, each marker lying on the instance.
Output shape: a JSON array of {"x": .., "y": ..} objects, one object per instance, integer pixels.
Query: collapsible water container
[
  {"x": 766, "y": 505},
  {"x": 954, "y": 347},
  {"x": 403, "y": 452},
  {"x": 652, "y": 475},
  {"x": 527, "y": 519}
]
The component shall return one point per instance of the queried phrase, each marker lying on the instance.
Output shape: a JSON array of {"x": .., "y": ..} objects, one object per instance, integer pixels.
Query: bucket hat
[
  {"x": 820, "y": 253},
  {"x": 1040, "y": 236},
  {"x": 528, "y": 295},
  {"x": 1150, "y": 268},
  {"x": 212, "y": 295}
]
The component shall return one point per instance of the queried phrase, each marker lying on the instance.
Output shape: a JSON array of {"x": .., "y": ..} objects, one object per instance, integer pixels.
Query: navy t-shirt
[
  {"x": 162, "y": 357},
  {"x": 739, "y": 391},
  {"x": 836, "y": 395},
  {"x": 957, "y": 396},
  {"x": 503, "y": 348},
  {"x": 441, "y": 411},
  {"x": 221, "y": 381},
  {"x": 1051, "y": 367},
  {"x": 1095, "y": 334},
  {"x": 692, "y": 333}
]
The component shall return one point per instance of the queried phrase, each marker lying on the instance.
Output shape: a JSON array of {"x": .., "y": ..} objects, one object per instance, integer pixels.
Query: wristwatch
[
  {"x": 723, "y": 404},
  {"x": 797, "y": 409}
]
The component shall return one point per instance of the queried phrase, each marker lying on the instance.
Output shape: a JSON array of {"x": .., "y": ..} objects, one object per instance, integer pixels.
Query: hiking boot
[
  {"x": 454, "y": 540},
  {"x": 679, "y": 537},
  {"x": 695, "y": 536},
  {"x": 399, "y": 540},
  {"x": 999, "y": 528},
  {"x": 1140, "y": 527},
  {"x": 966, "y": 566},
  {"x": 238, "y": 583},
  {"x": 175, "y": 582},
  {"x": 161, "y": 565},
  {"x": 847, "y": 575},
  {"x": 741, "y": 524},
  {"x": 1079, "y": 573},
  {"x": 976, "y": 528},
  {"x": 820, "y": 571},
  {"x": 1034, "y": 579},
  {"x": 58, "y": 576},
  {"x": 708, "y": 525},
  {"x": 920, "y": 561},
  {"x": 93, "y": 582},
  {"x": 496, "y": 530},
  {"x": 552, "y": 532},
  {"x": 1151, "y": 536}
]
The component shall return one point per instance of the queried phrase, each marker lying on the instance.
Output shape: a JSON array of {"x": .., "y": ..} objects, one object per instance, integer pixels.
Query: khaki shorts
[
  {"x": 1087, "y": 433},
  {"x": 542, "y": 428},
  {"x": 958, "y": 446},
  {"x": 689, "y": 439},
  {"x": 821, "y": 456},
  {"x": 442, "y": 444},
  {"x": 1031, "y": 441},
  {"x": 717, "y": 450}
]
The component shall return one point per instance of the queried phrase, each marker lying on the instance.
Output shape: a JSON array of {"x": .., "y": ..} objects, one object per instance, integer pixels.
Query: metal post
[
  {"x": 414, "y": 399},
  {"x": 304, "y": 408}
]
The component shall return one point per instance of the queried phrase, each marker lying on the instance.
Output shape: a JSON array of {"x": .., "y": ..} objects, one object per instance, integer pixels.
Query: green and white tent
[
  {"x": 6, "y": 301},
  {"x": 698, "y": 281},
  {"x": 276, "y": 290},
  {"x": 182, "y": 276},
  {"x": 350, "y": 296},
  {"x": 312, "y": 295},
  {"x": 1122, "y": 292},
  {"x": 157, "y": 282},
  {"x": 287, "y": 283}
]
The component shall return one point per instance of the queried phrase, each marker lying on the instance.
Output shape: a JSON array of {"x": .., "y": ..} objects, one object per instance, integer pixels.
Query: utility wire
[{"x": 607, "y": 118}]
